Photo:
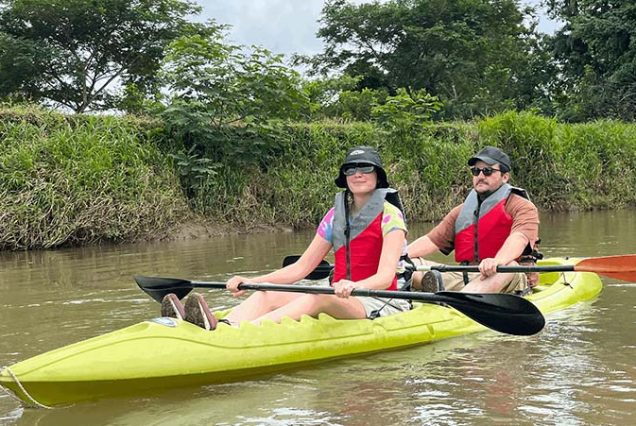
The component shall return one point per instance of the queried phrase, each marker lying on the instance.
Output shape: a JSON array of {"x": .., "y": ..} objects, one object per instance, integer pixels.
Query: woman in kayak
[{"x": 367, "y": 232}]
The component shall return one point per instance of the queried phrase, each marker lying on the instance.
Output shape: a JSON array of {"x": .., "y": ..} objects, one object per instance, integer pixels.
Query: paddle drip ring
[{"x": 24, "y": 391}]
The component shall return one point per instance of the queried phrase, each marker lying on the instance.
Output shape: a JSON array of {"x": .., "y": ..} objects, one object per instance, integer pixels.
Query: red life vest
[
  {"x": 366, "y": 239},
  {"x": 482, "y": 227}
]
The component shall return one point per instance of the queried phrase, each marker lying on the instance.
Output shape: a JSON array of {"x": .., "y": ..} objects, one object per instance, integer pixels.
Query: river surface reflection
[{"x": 579, "y": 371}]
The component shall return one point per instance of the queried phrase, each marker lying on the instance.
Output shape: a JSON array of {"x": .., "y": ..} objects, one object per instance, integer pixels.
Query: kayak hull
[{"x": 167, "y": 353}]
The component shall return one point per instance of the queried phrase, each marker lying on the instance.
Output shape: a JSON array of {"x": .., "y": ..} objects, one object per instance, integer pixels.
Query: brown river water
[{"x": 580, "y": 370}]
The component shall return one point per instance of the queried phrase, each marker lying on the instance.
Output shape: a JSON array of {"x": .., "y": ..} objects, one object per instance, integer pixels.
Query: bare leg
[
  {"x": 492, "y": 284},
  {"x": 314, "y": 304},
  {"x": 495, "y": 283},
  {"x": 260, "y": 303}
]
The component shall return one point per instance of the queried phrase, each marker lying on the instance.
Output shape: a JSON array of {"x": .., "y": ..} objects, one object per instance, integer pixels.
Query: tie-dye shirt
[{"x": 392, "y": 219}]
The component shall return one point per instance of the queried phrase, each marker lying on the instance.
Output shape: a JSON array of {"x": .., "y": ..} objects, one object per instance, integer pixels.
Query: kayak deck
[{"x": 167, "y": 353}]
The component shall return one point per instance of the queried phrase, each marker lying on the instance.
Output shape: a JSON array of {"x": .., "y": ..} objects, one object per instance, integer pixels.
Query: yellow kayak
[{"x": 167, "y": 353}]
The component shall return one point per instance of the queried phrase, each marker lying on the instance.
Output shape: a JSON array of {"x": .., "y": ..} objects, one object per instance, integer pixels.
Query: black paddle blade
[
  {"x": 288, "y": 260},
  {"x": 505, "y": 313},
  {"x": 157, "y": 287},
  {"x": 322, "y": 270}
]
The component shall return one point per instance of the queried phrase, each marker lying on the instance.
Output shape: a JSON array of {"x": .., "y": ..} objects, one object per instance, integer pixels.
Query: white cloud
[{"x": 282, "y": 26}]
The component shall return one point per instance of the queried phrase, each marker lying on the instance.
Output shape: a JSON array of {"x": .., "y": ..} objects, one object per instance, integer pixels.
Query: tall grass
[
  {"x": 599, "y": 164},
  {"x": 568, "y": 166},
  {"x": 81, "y": 179}
]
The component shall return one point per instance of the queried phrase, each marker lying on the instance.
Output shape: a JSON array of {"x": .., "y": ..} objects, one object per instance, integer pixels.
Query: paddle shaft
[
  {"x": 322, "y": 270},
  {"x": 364, "y": 292},
  {"x": 622, "y": 267},
  {"x": 508, "y": 269}
]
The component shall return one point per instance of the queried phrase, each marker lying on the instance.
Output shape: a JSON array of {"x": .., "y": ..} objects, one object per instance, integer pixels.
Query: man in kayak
[
  {"x": 367, "y": 232},
  {"x": 496, "y": 225}
]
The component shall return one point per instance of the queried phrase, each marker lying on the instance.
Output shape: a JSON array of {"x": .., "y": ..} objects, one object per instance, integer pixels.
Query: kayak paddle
[
  {"x": 621, "y": 267},
  {"x": 505, "y": 313}
]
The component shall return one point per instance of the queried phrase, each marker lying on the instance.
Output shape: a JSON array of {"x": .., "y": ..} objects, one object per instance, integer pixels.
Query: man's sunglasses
[
  {"x": 352, "y": 169},
  {"x": 487, "y": 171}
]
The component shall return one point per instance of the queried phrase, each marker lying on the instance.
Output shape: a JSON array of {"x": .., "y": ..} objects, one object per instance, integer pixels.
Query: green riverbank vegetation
[
  {"x": 69, "y": 180},
  {"x": 135, "y": 136}
]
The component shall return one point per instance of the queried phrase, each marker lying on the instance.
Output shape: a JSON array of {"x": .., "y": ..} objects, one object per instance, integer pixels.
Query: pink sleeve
[{"x": 325, "y": 229}]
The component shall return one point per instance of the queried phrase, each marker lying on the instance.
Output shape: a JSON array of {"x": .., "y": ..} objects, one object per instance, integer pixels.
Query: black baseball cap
[
  {"x": 363, "y": 155},
  {"x": 491, "y": 155}
]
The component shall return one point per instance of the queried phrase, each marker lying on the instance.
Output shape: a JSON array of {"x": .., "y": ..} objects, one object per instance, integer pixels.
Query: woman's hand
[
  {"x": 233, "y": 283},
  {"x": 343, "y": 288}
]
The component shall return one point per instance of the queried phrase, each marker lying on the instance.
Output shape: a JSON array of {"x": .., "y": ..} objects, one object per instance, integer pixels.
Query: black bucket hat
[
  {"x": 491, "y": 155},
  {"x": 363, "y": 155}
]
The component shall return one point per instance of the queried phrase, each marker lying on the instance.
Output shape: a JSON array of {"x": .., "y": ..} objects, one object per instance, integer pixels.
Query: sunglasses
[
  {"x": 352, "y": 169},
  {"x": 487, "y": 171}
]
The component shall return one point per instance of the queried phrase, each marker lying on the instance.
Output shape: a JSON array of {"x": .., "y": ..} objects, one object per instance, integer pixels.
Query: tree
[
  {"x": 221, "y": 104},
  {"x": 596, "y": 55},
  {"x": 77, "y": 54},
  {"x": 231, "y": 84},
  {"x": 20, "y": 60},
  {"x": 474, "y": 55}
]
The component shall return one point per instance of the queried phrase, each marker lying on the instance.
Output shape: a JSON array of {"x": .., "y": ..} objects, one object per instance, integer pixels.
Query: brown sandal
[
  {"x": 197, "y": 312},
  {"x": 172, "y": 307}
]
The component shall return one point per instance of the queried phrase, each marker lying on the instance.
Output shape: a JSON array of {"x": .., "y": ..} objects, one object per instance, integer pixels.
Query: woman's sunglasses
[
  {"x": 352, "y": 169},
  {"x": 487, "y": 171}
]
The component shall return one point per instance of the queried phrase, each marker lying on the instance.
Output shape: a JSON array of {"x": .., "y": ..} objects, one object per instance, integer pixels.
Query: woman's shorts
[{"x": 378, "y": 307}]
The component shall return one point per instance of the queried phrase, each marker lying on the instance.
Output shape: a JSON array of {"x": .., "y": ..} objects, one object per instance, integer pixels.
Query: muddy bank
[{"x": 202, "y": 228}]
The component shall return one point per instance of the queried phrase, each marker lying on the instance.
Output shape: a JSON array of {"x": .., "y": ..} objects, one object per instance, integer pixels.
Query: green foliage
[
  {"x": 70, "y": 53},
  {"x": 597, "y": 58},
  {"x": 476, "y": 56},
  {"x": 406, "y": 111},
  {"x": 566, "y": 166},
  {"x": 297, "y": 187},
  {"x": 323, "y": 95},
  {"x": 194, "y": 170},
  {"x": 223, "y": 106},
  {"x": 20, "y": 59},
  {"x": 79, "y": 180},
  {"x": 76, "y": 180},
  {"x": 359, "y": 105},
  {"x": 232, "y": 86},
  {"x": 535, "y": 153},
  {"x": 299, "y": 184},
  {"x": 428, "y": 168},
  {"x": 339, "y": 98},
  {"x": 599, "y": 163}
]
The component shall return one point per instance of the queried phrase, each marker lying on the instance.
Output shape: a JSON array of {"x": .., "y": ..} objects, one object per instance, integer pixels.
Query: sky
[{"x": 286, "y": 26}]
